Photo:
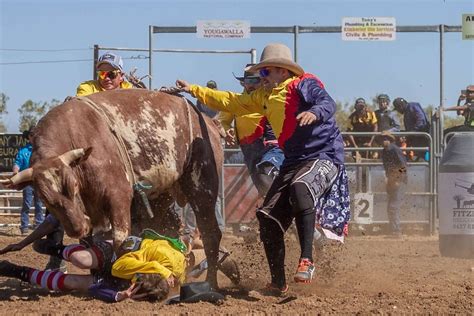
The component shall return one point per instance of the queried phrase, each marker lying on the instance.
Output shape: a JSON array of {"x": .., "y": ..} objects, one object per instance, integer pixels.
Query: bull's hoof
[{"x": 231, "y": 270}]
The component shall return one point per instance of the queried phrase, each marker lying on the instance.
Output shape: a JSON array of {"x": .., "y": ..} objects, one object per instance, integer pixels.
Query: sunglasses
[
  {"x": 251, "y": 80},
  {"x": 264, "y": 72},
  {"x": 108, "y": 74}
]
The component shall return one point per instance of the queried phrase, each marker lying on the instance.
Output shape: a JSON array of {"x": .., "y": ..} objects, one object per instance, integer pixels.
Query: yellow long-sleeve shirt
[
  {"x": 92, "y": 86},
  {"x": 247, "y": 127},
  {"x": 154, "y": 256}
]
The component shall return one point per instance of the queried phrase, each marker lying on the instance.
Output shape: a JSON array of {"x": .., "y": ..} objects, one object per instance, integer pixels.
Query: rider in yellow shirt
[
  {"x": 153, "y": 256},
  {"x": 110, "y": 76}
]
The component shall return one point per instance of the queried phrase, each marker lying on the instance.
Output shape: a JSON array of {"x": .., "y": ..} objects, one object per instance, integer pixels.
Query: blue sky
[{"x": 407, "y": 67}]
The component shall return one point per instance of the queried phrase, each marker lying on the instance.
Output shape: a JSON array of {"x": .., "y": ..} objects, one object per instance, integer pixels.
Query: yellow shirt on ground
[
  {"x": 154, "y": 256},
  {"x": 92, "y": 86}
]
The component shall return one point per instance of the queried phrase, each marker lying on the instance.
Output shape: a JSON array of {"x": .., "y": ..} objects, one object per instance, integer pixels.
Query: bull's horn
[
  {"x": 20, "y": 177},
  {"x": 70, "y": 156}
]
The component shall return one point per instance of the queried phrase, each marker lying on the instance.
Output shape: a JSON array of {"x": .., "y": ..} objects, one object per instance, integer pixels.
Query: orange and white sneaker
[{"x": 304, "y": 273}]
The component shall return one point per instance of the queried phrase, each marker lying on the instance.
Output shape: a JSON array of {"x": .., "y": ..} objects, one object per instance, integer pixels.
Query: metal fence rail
[{"x": 9, "y": 196}]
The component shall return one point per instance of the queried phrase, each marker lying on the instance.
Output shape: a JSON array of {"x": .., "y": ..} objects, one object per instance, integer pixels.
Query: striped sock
[
  {"x": 51, "y": 280},
  {"x": 69, "y": 250}
]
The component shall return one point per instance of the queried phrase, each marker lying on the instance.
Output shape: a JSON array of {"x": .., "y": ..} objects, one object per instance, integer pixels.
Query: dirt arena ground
[{"x": 366, "y": 275}]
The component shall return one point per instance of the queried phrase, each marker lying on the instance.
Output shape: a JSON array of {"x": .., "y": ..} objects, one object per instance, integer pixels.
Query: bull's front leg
[
  {"x": 120, "y": 220},
  {"x": 211, "y": 237}
]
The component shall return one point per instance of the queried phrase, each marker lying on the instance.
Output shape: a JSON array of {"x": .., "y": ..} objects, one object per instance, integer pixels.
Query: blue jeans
[
  {"x": 396, "y": 194},
  {"x": 257, "y": 156},
  {"x": 29, "y": 196}
]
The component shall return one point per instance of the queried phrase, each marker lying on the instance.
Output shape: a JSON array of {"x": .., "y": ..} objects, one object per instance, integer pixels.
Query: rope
[
  {"x": 127, "y": 162},
  {"x": 190, "y": 122},
  {"x": 176, "y": 92}
]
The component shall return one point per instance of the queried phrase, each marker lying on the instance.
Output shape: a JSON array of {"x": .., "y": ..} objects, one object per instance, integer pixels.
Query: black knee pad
[
  {"x": 46, "y": 246},
  {"x": 301, "y": 198}
]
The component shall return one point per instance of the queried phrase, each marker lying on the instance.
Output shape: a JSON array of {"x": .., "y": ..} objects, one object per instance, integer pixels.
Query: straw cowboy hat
[{"x": 278, "y": 55}]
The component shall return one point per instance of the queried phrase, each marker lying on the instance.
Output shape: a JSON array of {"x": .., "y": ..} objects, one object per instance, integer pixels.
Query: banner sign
[
  {"x": 9, "y": 146},
  {"x": 368, "y": 29},
  {"x": 456, "y": 203},
  {"x": 468, "y": 26},
  {"x": 223, "y": 29}
]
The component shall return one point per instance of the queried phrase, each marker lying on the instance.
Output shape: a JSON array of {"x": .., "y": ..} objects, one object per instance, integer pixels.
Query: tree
[
  {"x": 452, "y": 121},
  {"x": 31, "y": 112},
  {"x": 3, "y": 110},
  {"x": 343, "y": 110}
]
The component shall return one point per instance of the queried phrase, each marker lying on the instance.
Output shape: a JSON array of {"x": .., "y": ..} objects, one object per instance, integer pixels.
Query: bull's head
[{"x": 58, "y": 187}]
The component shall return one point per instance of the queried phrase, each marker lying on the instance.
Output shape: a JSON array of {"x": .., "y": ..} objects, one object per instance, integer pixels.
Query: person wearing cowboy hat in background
[
  {"x": 110, "y": 76},
  {"x": 312, "y": 182},
  {"x": 362, "y": 120},
  {"x": 395, "y": 165},
  {"x": 258, "y": 143}
]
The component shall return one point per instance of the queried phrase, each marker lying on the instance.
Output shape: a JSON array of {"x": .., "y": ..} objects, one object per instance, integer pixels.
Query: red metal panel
[{"x": 240, "y": 195}]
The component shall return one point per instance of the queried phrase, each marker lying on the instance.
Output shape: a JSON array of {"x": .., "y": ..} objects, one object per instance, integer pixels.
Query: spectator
[
  {"x": 362, "y": 120},
  {"x": 256, "y": 138},
  {"x": 110, "y": 76},
  {"x": 386, "y": 120},
  {"x": 211, "y": 84},
  {"x": 415, "y": 120},
  {"x": 22, "y": 162},
  {"x": 395, "y": 166},
  {"x": 301, "y": 113}
]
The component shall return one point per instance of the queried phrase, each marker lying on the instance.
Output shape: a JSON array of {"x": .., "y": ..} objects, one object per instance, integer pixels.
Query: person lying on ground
[
  {"x": 146, "y": 269},
  {"x": 158, "y": 265}
]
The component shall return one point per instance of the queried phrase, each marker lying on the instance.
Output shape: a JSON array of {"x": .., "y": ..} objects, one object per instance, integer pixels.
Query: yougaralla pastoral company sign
[{"x": 223, "y": 29}]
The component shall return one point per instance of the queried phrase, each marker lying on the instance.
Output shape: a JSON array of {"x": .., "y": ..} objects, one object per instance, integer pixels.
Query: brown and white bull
[{"x": 82, "y": 148}]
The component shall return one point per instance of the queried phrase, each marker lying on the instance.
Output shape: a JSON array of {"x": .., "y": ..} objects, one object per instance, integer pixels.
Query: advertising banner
[{"x": 368, "y": 29}]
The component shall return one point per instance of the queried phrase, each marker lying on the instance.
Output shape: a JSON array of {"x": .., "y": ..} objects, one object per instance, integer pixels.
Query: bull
[{"x": 90, "y": 151}]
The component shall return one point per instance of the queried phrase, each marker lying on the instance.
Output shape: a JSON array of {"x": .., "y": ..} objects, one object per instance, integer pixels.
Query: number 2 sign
[{"x": 363, "y": 206}]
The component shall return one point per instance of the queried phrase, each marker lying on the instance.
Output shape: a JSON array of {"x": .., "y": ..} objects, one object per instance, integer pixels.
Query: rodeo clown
[
  {"x": 312, "y": 183},
  {"x": 147, "y": 267}
]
